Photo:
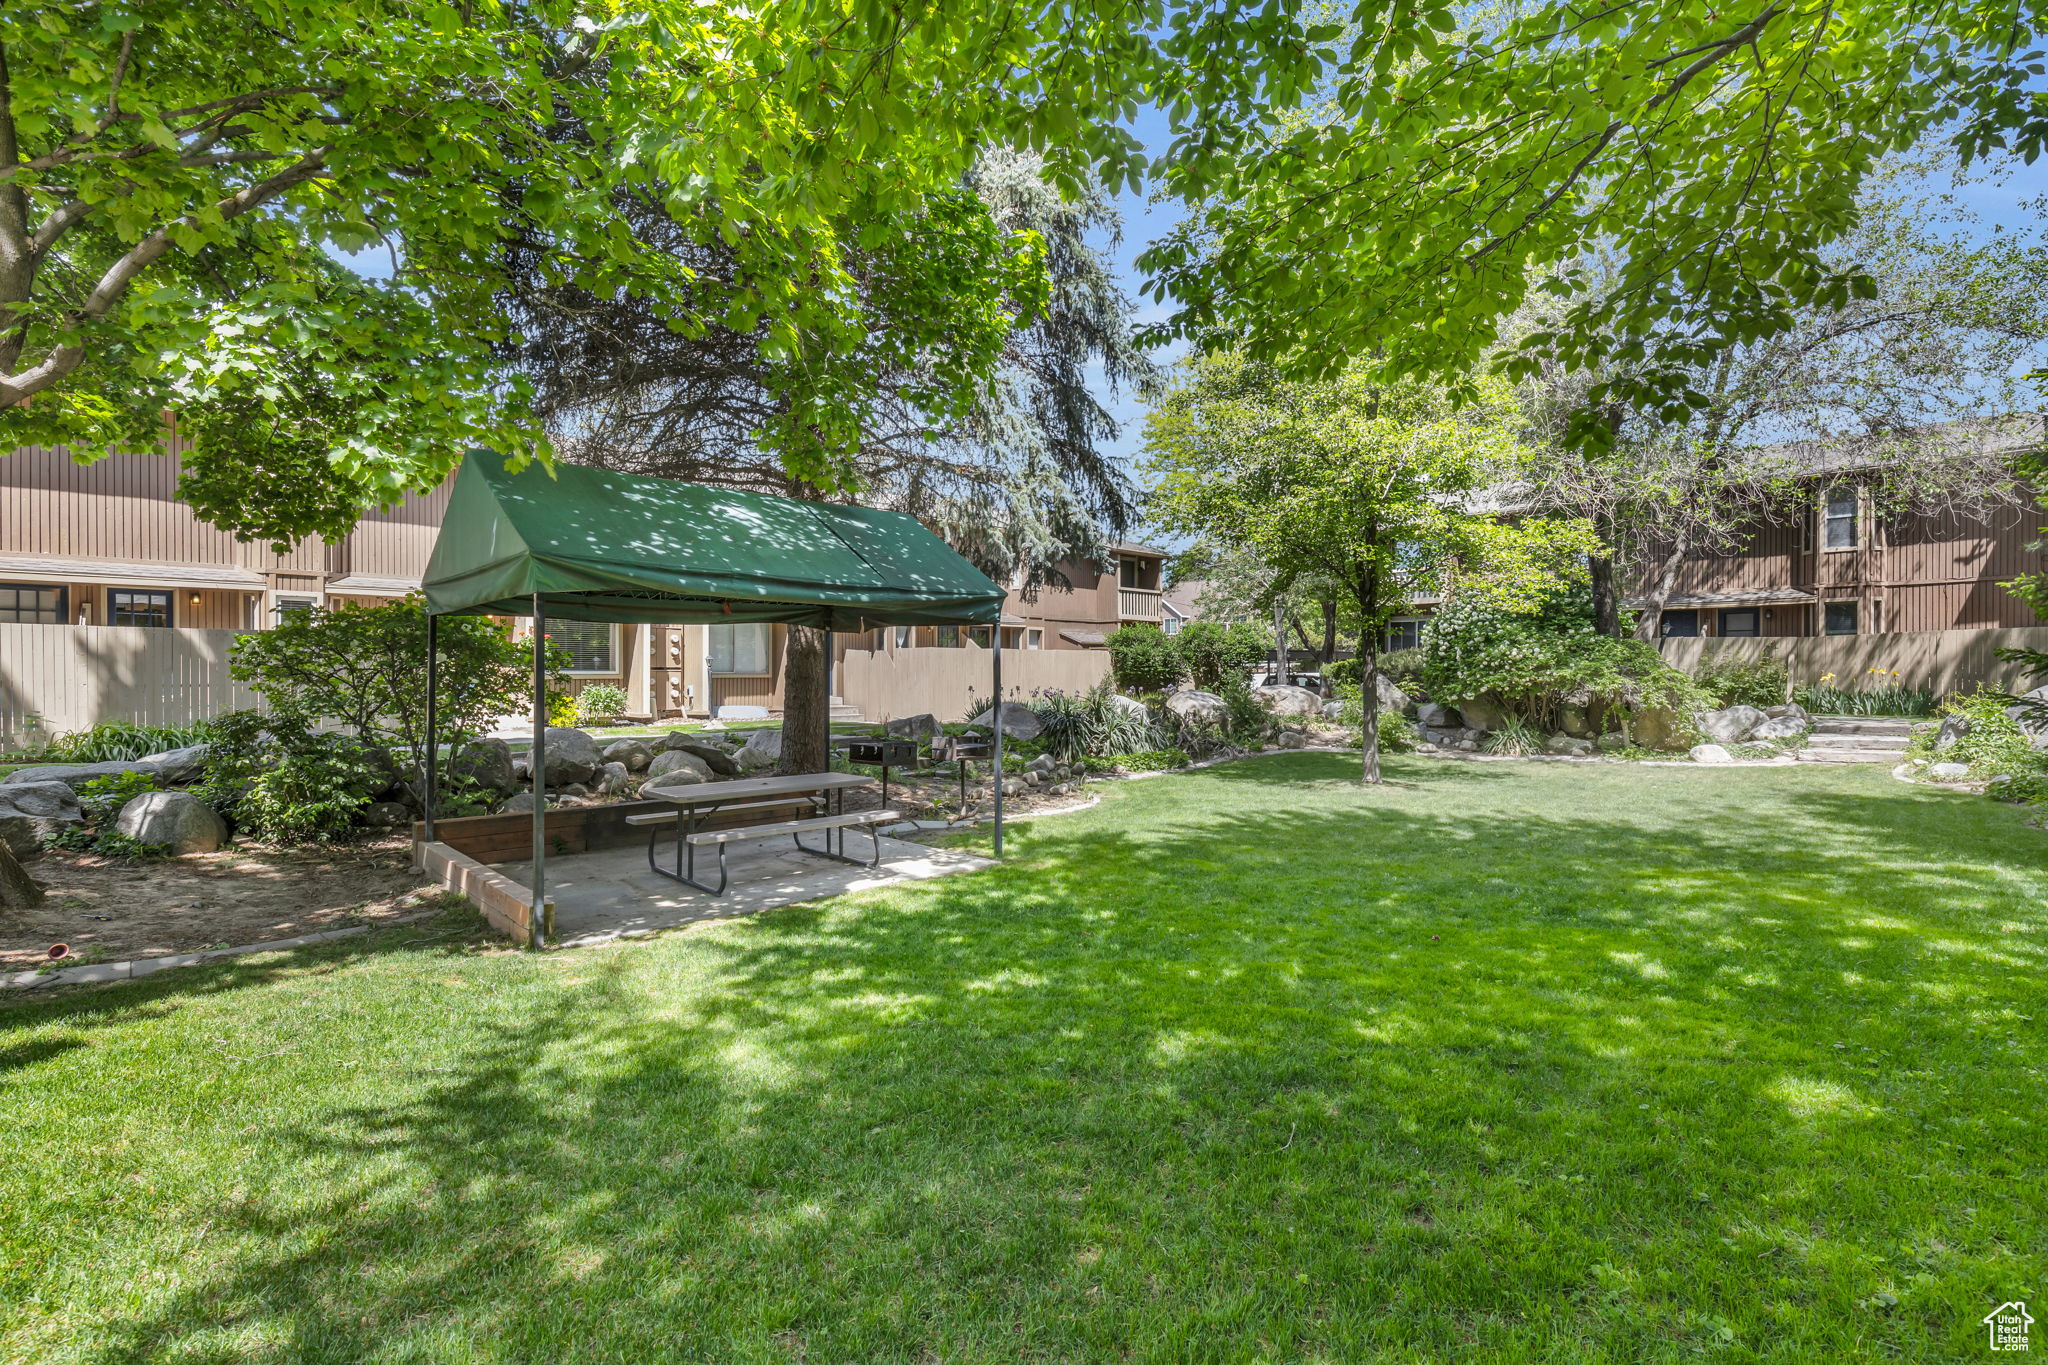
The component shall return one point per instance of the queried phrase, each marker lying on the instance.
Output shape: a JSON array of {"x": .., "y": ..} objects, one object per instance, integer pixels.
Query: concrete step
[
  {"x": 1858, "y": 725},
  {"x": 1895, "y": 743},
  {"x": 843, "y": 711},
  {"x": 1847, "y": 756}
]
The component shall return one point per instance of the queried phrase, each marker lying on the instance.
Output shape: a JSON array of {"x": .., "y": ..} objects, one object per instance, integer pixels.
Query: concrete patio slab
[{"x": 611, "y": 892}]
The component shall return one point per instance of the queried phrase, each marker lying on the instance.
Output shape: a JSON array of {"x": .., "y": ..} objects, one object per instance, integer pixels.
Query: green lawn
[{"x": 1501, "y": 1062}]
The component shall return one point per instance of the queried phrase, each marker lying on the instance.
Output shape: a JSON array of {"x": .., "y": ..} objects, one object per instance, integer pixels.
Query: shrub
[
  {"x": 1148, "y": 761},
  {"x": 1402, "y": 665},
  {"x": 1398, "y": 734},
  {"x": 1210, "y": 654},
  {"x": 1993, "y": 747},
  {"x": 1144, "y": 658},
  {"x": 274, "y": 777},
  {"x": 366, "y": 668},
  {"x": 600, "y": 702},
  {"x": 1535, "y": 664},
  {"x": 102, "y": 799},
  {"x": 119, "y": 741},
  {"x": 1248, "y": 722},
  {"x": 1732, "y": 681},
  {"x": 1096, "y": 722},
  {"x": 1516, "y": 738}
]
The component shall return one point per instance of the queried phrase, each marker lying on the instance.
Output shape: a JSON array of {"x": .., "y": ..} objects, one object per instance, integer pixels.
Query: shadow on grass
[{"x": 1195, "y": 1081}]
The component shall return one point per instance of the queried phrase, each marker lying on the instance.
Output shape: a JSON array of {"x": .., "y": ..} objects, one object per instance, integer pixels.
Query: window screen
[
  {"x": 1840, "y": 618},
  {"x": 138, "y": 607},
  {"x": 741, "y": 648},
  {"x": 1744, "y": 622},
  {"x": 588, "y": 643},
  {"x": 1404, "y": 635},
  {"x": 1841, "y": 520},
  {"x": 1679, "y": 623},
  {"x": 32, "y": 604}
]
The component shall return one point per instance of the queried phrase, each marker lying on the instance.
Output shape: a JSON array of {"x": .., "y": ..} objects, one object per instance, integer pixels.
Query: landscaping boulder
[
  {"x": 763, "y": 749},
  {"x": 520, "y": 804},
  {"x": 1950, "y": 772},
  {"x": 176, "y": 767},
  {"x": 1044, "y": 763},
  {"x": 1201, "y": 708},
  {"x": 486, "y": 762},
  {"x": 1570, "y": 746},
  {"x": 678, "y": 760},
  {"x": 1731, "y": 724},
  {"x": 1483, "y": 713},
  {"x": 1613, "y": 740},
  {"x": 31, "y": 810},
  {"x": 612, "y": 780},
  {"x": 1292, "y": 739},
  {"x": 631, "y": 754},
  {"x": 1951, "y": 733},
  {"x": 1656, "y": 728},
  {"x": 718, "y": 760},
  {"x": 1781, "y": 727},
  {"x": 1790, "y": 708},
  {"x": 1333, "y": 710},
  {"x": 1710, "y": 753},
  {"x": 1019, "y": 720},
  {"x": 71, "y": 775},
  {"x": 1289, "y": 701},
  {"x": 1130, "y": 704},
  {"x": 178, "y": 821},
  {"x": 918, "y": 728},
  {"x": 385, "y": 815},
  {"x": 381, "y": 771},
  {"x": 1572, "y": 720},
  {"x": 2035, "y": 730},
  {"x": 1392, "y": 698},
  {"x": 1436, "y": 717},
  {"x": 572, "y": 756}
]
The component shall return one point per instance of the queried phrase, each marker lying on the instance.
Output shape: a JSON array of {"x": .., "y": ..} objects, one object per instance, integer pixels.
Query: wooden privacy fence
[
  {"x": 69, "y": 677},
  {"x": 1942, "y": 660},
  {"x": 909, "y": 682}
]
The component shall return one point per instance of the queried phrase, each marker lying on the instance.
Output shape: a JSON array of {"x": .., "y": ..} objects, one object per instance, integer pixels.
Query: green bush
[
  {"x": 1516, "y": 739},
  {"x": 1402, "y": 665},
  {"x": 275, "y": 778},
  {"x": 1732, "y": 681},
  {"x": 1398, "y": 734},
  {"x": 1536, "y": 664},
  {"x": 102, "y": 799},
  {"x": 1249, "y": 722},
  {"x": 1880, "y": 692},
  {"x": 600, "y": 702},
  {"x": 1096, "y": 722},
  {"x": 1144, "y": 658},
  {"x": 1994, "y": 746},
  {"x": 118, "y": 741},
  {"x": 1210, "y": 654},
  {"x": 1148, "y": 761}
]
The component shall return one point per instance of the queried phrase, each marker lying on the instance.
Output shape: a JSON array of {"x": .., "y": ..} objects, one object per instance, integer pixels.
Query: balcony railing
[{"x": 1136, "y": 604}]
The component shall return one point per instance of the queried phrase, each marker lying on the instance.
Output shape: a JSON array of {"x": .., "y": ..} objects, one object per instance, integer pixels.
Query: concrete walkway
[{"x": 611, "y": 893}]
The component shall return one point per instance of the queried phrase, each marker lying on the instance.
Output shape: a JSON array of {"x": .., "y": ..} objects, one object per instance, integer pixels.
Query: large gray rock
[
  {"x": 919, "y": 728},
  {"x": 1710, "y": 753},
  {"x": 1951, "y": 733},
  {"x": 1950, "y": 772},
  {"x": 572, "y": 757},
  {"x": 385, "y": 815},
  {"x": 1199, "y": 707},
  {"x": 1731, "y": 724},
  {"x": 679, "y": 760},
  {"x": 718, "y": 760},
  {"x": 178, "y": 821},
  {"x": 72, "y": 775},
  {"x": 612, "y": 780},
  {"x": 672, "y": 781},
  {"x": 632, "y": 754},
  {"x": 176, "y": 767},
  {"x": 1019, "y": 720},
  {"x": 1790, "y": 708},
  {"x": 1132, "y": 705},
  {"x": 520, "y": 804},
  {"x": 1571, "y": 746},
  {"x": 486, "y": 762},
  {"x": 381, "y": 771},
  {"x": 1781, "y": 727},
  {"x": 1483, "y": 713},
  {"x": 29, "y": 811},
  {"x": 1289, "y": 701},
  {"x": 1437, "y": 717},
  {"x": 1392, "y": 698},
  {"x": 1333, "y": 710},
  {"x": 1044, "y": 763},
  {"x": 2031, "y": 723},
  {"x": 763, "y": 749}
]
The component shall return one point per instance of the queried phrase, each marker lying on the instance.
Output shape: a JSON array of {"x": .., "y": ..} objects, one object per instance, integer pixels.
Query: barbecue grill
[{"x": 889, "y": 753}]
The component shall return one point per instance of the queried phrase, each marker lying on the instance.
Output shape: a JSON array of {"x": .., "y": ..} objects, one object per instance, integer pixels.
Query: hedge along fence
[{"x": 1943, "y": 661}]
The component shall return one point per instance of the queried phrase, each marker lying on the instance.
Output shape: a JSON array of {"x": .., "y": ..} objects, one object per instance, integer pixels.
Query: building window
[
  {"x": 949, "y": 637},
  {"x": 741, "y": 649},
  {"x": 1679, "y": 624},
  {"x": 1128, "y": 573},
  {"x": 906, "y": 636},
  {"x": 1034, "y": 639},
  {"x": 1404, "y": 633},
  {"x": 138, "y": 607},
  {"x": 1171, "y": 624},
  {"x": 981, "y": 635},
  {"x": 286, "y": 604},
  {"x": 32, "y": 604},
  {"x": 1841, "y": 520},
  {"x": 1839, "y": 618},
  {"x": 592, "y": 646},
  {"x": 1744, "y": 622}
]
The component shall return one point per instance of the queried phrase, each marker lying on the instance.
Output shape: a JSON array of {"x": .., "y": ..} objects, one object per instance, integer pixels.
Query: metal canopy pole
[
  {"x": 997, "y": 656},
  {"x": 538, "y": 764},
  {"x": 433, "y": 677}
]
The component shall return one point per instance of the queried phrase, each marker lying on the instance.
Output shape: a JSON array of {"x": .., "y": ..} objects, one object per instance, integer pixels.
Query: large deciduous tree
[
  {"x": 175, "y": 178},
  {"x": 1712, "y": 151},
  {"x": 1370, "y": 484}
]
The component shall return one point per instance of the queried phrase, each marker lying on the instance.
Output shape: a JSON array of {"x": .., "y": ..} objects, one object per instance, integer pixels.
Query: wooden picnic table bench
[{"x": 825, "y": 793}]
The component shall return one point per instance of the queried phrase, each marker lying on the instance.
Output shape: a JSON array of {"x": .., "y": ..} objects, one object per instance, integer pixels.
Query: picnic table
[{"x": 825, "y": 793}]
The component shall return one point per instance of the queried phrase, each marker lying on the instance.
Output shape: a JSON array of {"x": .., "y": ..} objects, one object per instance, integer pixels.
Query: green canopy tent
[{"x": 592, "y": 545}]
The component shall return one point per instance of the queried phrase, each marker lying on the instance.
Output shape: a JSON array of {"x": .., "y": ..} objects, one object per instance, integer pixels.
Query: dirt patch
[{"x": 113, "y": 911}]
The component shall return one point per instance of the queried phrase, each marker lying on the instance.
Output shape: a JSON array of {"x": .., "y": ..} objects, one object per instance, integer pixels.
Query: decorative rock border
[{"x": 99, "y": 973}]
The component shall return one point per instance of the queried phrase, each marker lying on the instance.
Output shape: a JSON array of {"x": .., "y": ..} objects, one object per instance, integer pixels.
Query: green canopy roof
[{"x": 599, "y": 546}]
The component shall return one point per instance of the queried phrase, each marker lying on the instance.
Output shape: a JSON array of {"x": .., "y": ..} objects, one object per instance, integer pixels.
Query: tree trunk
[
  {"x": 1369, "y": 681},
  {"x": 806, "y": 702},
  {"x": 18, "y": 891},
  {"x": 1667, "y": 577},
  {"x": 1329, "y": 633},
  {"x": 1606, "y": 608}
]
